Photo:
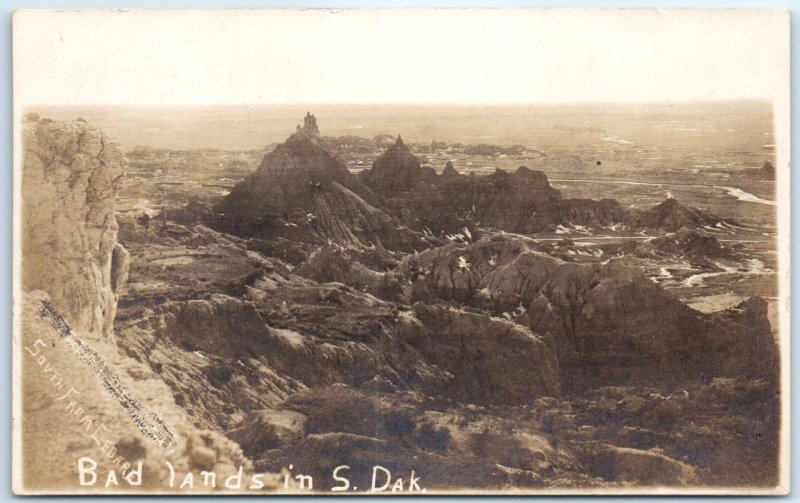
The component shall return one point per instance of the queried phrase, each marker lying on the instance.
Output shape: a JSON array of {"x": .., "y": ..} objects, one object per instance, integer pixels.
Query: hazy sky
[{"x": 398, "y": 56}]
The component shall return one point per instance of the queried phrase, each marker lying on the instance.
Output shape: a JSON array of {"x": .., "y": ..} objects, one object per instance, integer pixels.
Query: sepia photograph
[{"x": 401, "y": 252}]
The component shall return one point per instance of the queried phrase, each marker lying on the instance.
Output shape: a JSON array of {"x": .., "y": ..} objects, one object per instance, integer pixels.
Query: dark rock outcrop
[
  {"x": 765, "y": 172},
  {"x": 641, "y": 467},
  {"x": 209, "y": 353},
  {"x": 195, "y": 211},
  {"x": 268, "y": 429},
  {"x": 768, "y": 171},
  {"x": 492, "y": 360},
  {"x": 425, "y": 208},
  {"x": 672, "y": 216},
  {"x": 567, "y": 212},
  {"x": 742, "y": 343},
  {"x": 450, "y": 172},
  {"x": 396, "y": 171},
  {"x": 342, "y": 217},
  {"x": 310, "y": 125},
  {"x": 685, "y": 243},
  {"x": 505, "y": 200}
]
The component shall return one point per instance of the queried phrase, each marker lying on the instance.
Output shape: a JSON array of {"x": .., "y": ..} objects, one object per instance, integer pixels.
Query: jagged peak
[
  {"x": 450, "y": 170},
  {"x": 309, "y": 127},
  {"x": 399, "y": 148},
  {"x": 307, "y": 133}
]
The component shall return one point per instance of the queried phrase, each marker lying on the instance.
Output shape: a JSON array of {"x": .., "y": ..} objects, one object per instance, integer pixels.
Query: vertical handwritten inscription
[{"x": 148, "y": 422}]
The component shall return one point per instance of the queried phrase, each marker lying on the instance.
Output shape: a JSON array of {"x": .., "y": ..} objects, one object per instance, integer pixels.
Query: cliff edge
[{"x": 71, "y": 176}]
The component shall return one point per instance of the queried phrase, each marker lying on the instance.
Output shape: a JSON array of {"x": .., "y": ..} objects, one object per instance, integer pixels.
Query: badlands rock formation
[
  {"x": 71, "y": 176},
  {"x": 303, "y": 192},
  {"x": 396, "y": 171},
  {"x": 332, "y": 320},
  {"x": 314, "y": 317},
  {"x": 596, "y": 314},
  {"x": 673, "y": 216}
]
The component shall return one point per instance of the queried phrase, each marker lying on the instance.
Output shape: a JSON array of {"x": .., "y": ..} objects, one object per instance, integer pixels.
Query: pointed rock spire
[
  {"x": 310, "y": 125},
  {"x": 450, "y": 170}
]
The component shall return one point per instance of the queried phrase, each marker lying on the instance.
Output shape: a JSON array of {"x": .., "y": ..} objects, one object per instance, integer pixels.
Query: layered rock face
[
  {"x": 610, "y": 324},
  {"x": 71, "y": 176},
  {"x": 303, "y": 192}
]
